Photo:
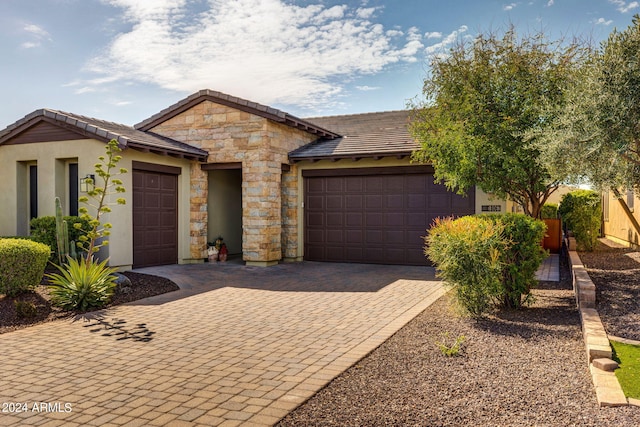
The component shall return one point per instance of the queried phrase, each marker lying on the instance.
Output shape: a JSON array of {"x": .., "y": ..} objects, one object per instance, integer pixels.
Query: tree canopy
[
  {"x": 481, "y": 102},
  {"x": 600, "y": 125}
]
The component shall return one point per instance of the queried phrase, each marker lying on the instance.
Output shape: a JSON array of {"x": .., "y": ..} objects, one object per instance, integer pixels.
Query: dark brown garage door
[
  {"x": 155, "y": 215},
  {"x": 376, "y": 215}
]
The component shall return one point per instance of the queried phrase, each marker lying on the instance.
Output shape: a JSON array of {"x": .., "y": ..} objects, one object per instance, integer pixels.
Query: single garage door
[
  {"x": 375, "y": 215},
  {"x": 155, "y": 215}
]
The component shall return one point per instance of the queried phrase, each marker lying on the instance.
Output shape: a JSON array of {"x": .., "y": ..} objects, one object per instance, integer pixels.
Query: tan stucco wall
[
  {"x": 617, "y": 226},
  {"x": 481, "y": 197},
  {"x": 47, "y": 155},
  {"x": 262, "y": 146}
]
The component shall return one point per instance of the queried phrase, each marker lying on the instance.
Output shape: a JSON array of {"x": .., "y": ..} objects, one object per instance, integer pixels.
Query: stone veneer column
[
  {"x": 290, "y": 214},
  {"x": 198, "y": 214},
  {"x": 261, "y": 209}
]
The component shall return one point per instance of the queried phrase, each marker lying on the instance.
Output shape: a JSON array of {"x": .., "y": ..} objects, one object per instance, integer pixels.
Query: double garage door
[{"x": 375, "y": 215}]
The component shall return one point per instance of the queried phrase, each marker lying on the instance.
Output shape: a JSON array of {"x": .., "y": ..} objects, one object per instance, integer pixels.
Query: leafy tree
[
  {"x": 599, "y": 127},
  {"x": 481, "y": 100}
]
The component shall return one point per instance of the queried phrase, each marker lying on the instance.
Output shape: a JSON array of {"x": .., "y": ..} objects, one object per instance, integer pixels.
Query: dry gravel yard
[
  {"x": 616, "y": 274},
  {"x": 525, "y": 368}
]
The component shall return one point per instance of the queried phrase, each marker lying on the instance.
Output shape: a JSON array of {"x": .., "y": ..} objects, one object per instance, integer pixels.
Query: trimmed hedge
[
  {"x": 43, "y": 230},
  {"x": 488, "y": 259},
  {"x": 466, "y": 252},
  {"x": 22, "y": 264},
  {"x": 523, "y": 256},
  {"x": 581, "y": 213}
]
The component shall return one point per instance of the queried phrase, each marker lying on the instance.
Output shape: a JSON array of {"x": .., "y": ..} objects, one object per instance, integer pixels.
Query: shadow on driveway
[{"x": 303, "y": 276}]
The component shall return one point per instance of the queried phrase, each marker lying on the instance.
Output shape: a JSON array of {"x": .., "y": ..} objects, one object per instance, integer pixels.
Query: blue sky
[{"x": 125, "y": 60}]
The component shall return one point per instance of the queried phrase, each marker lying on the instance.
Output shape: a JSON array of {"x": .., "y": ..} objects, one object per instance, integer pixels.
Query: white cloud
[
  {"x": 441, "y": 47},
  {"x": 550, "y": 3},
  {"x": 602, "y": 21},
  {"x": 37, "y": 34},
  {"x": 84, "y": 89},
  {"x": 623, "y": 6},
  {"x": 365, "y": 12},
  {"x": 433, "y": 35},
  {"x": 270, "y": 51},
  {"x": 36, "y": 31},
  {"x": 30, "y": 45},
  {"x": 509, "y": 6},
  {"x": 367, "y": 88}
]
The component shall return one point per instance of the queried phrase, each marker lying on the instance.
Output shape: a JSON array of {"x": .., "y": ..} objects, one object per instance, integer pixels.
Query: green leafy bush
[
  {"x": 25, "y": 309},
  {"x": 582, "y": 214},
  {"x": 82, "y": 285},
  {"x": 43, "y": 230},
  {"x": 488, "y": 259},
  {"x": 467, "y": 252},
  {"x": 521, "y": 258},
  {"x": 22, "y": 264},
  {"x": 549, "y": 211}
]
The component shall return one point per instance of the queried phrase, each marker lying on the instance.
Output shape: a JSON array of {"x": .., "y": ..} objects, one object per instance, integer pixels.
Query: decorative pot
[{"x": 213, "y": 254}]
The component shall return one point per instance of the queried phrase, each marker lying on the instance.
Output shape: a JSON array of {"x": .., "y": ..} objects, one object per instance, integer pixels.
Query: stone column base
[{"x": 261, "y": 263}]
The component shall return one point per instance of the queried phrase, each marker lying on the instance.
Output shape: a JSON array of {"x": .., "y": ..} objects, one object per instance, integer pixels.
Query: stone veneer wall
[
  {"x": 290, "y": 206},
  {"x": 230, "y": 136},
  {"x": 198, "y": 215}
]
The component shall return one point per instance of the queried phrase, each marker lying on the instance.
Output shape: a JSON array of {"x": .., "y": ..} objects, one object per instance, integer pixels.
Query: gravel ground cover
[
  {"x": 616, "y": 274},
  {"x": 516, "y": 368},
  {"x": 142, "y": 286}
]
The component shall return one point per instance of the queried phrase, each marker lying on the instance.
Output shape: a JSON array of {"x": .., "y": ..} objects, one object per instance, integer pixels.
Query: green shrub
[
  {"x": 22, "y": 264},
  {"x": 43, "y": 230},
  {"x": 582, "y": 214},
  {"x": 521, "y": 258},
  {"x": 467, "y": 252},
  {"x": 488, "y": 259},
  {"x": 549, "y": 211},
  {"x": 25, "y": 309},
  {"x": 82, "y": 285}
]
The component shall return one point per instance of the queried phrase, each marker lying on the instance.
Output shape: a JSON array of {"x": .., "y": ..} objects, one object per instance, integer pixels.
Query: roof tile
[
  {"x": 364, "y": 135},
  {"x": 108, "y": 130}
]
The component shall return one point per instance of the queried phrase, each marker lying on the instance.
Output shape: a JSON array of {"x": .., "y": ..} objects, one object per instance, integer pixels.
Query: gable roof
[
  {"x": 127, "y": 136},
  {"x": 237, "y": 103},
  {"x": 364, "y": 135}
]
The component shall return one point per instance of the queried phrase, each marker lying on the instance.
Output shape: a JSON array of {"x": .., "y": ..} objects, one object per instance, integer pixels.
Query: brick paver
[{"x": 236, "y": 345}]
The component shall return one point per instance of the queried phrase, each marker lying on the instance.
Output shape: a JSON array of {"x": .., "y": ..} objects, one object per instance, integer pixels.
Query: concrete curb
[{"x": 608, "y": 390}]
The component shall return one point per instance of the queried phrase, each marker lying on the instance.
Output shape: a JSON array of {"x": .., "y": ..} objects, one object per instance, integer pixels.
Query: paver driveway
[{"x": 236, "y": 345}]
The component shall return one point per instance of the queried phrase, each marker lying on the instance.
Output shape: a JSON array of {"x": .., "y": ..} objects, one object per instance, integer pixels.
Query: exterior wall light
[{"x": 87, "y": 183}]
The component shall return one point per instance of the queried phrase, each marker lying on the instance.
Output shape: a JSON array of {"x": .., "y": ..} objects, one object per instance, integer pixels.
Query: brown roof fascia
[
  {"x": 244, "y": 105},
  {"x": 165, "y": 152},
  {"x": 82, "y": 130},
  {"x": 352, "y": 156},
  {"x": 89, "y": 131}
]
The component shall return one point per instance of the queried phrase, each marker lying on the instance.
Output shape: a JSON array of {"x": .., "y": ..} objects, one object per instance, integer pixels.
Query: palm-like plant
[{"x": 82, "y": 285}]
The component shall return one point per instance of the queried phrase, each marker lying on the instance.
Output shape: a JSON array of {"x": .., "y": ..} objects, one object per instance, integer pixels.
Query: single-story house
[{"x": 275, "y": 186}]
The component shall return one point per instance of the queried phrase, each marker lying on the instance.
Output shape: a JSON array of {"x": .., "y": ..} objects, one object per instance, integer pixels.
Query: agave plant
[{"x": 82, "y": 284}]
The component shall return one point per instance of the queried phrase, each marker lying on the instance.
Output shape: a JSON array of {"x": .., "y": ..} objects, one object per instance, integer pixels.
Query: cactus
[
  {"x": 62, "y": 234},
  {"x": 73, "y": 253}
]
